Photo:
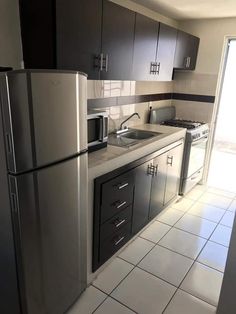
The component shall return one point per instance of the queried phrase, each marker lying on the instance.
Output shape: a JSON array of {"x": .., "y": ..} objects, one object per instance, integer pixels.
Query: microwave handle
[{"x": 102, "y": 129}]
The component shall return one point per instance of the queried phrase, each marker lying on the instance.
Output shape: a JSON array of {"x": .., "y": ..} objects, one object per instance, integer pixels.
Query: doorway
[{"x": 222, "y": 170}]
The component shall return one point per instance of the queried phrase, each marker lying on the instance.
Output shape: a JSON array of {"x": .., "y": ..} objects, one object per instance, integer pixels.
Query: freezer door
[
  {"x": 44, "y": 117},
  {"x": 49, "y": 209}
]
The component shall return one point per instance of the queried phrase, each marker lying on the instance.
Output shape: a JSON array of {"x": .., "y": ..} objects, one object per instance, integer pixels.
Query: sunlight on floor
[{"x": 222, "y": 172}]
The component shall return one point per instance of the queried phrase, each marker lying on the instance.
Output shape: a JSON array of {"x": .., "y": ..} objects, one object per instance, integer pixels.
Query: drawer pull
[
  {"x": 121, "y": 205},
  {"x": 121, "y": 186},
  {"x": 118, "y": 223},
  {"x": 119, "y": 240},
  {"x": 170, "y": 160}
]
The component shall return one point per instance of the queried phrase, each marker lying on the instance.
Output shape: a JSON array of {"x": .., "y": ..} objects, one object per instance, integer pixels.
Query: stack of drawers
[{"x": 115, "y": 214}]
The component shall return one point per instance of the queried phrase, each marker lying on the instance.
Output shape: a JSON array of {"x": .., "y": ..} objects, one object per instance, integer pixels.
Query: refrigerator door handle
[
  {"x": 14, "y": 202},
  {"x": 9, "y": 143}
]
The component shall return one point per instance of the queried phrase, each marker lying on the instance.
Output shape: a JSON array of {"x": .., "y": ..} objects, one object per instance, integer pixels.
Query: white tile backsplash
[
  {"x": 103, "y": 89},
  {"x": 195, "y": 83},
  {"x": 192, "y": 110}
]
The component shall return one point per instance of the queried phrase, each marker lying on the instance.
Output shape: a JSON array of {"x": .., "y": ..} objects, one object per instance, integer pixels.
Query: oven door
[
  {"x": 195, "y": 156},
  {"x": 97, "y": 130}
]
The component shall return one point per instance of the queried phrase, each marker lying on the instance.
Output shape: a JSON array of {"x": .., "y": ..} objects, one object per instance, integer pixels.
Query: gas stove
[
  {"x": 195, "y": 129},
  {"x": 188, "y": 124},
  {"x": 195, "y": 145}
]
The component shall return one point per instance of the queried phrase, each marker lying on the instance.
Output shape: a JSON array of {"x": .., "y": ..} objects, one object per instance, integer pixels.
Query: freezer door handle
[{"x": 14, "y": 202}]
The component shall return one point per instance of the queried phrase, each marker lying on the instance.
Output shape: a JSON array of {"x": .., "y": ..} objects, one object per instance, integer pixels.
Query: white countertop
[{"x": 111, "y": 157}]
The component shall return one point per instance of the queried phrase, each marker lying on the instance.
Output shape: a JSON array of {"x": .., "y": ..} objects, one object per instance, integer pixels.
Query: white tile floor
[{"x": 176, "y": 264}]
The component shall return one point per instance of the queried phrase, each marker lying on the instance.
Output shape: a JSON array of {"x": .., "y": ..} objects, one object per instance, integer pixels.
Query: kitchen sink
[
  {"x": 139, "y": 134},
  {"x": 130, "y": 137}
]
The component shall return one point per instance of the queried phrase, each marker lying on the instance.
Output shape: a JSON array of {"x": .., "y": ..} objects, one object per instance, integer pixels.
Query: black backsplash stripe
[
  {"x": 192, "y": 97},
  {"x": 126, "y": 100}
]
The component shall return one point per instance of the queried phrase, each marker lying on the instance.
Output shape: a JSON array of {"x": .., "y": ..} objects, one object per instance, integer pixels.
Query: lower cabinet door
[
  {"x": 174, "y": 158},
  {"x": 158, "y": 185},
  {"x": 143, "y": 182}
]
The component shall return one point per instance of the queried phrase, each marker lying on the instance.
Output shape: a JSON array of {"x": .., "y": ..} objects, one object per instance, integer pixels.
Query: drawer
[
  {"x": 116, "y": 223},
  {"x": 117, "y": 194},
  {"x": 113, "y": 243}
]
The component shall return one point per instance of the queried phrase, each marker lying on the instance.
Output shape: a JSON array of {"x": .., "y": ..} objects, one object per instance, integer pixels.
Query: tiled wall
[
  {"x": 105, "y": 89},
  {"x": 197, "y": 84}
]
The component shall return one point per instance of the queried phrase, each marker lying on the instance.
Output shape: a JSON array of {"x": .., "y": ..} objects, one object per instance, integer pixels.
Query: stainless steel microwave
[{"x": 97, "y": 129}]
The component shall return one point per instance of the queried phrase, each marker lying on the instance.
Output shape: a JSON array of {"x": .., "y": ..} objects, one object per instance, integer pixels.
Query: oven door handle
[{"x": 203, "y": 139}]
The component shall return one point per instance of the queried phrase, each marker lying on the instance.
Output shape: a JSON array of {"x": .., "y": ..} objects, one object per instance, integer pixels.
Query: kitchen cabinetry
[
  {"x": 38, "y": 33},
  {"x": 113, "y": 203},
  {"x": 165, "y": 52},
  {"x": 173, "y": 171},
  {"x": 154, "y": 50},
  {"x": 78, "y": 29},
  {"x": 127, "y": 198},
  {"x": 158, "y": 185},
  {"x": 186, "y": 51},
  {"x": 142, "y": 183},
  {"x": 103, "y": 39},
  {"x": 117, "y": 42},
  {"x": 145, "y": 47}
]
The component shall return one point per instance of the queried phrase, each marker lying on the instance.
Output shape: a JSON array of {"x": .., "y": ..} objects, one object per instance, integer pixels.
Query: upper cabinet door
[
  {"x": 117, "y": 42},
  {"x": 145, "y": 47},
  {"x": 79, "y": 27},
  {"x": 186, "y": 51},
  {"x": 38, "y": 34},
  {"x": 165, "y": 52}
]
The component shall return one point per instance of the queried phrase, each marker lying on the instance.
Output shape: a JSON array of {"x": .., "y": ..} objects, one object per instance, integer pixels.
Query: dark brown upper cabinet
[
  {"x": 165, "y": 52},
  {"x": 186, "y": 51},
  {"x": 79, "y": 28},
  {"x": 145, "y": 47},
  {"x": 117, "y": 42},
  {"x": 38, "y": 33},
  {"x": 103, "y": 39},
  {"x": 154, "y": 50}
]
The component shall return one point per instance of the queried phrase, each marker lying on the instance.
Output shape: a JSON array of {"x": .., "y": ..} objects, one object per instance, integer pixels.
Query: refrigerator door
[
  {"x": 49, "y": 214},
  {"x": 44, "y": 117}
]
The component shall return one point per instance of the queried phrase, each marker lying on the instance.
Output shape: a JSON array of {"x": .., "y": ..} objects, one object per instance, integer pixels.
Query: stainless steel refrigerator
[{"x": 43, "y": 181}]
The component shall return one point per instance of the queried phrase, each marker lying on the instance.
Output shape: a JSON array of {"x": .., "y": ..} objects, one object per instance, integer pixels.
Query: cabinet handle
[
  {"x": 158, "y": 67},
  {"x": 119, "y": 240},
  {"x": 101, "y": 62},
  {"x": 106, "y": 62},
  {"x": 121, "y": 204},
  {"x": 153, "y": 68},
  {"x": 122, "y": 186},
  {"x": 151, "y": 170},
  {"x": 187, "y": 62},
  {"x": 118, "y": 222},
  {"x": 170, "y": 160},
  {"x": 156, "y": 170}
]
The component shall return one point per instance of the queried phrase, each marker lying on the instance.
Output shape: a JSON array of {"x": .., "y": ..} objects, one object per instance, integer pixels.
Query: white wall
[
  {"x": 212, "y": 33},
  {"x": 10, "y": 38},
  {"x": 204, "y": 80}
]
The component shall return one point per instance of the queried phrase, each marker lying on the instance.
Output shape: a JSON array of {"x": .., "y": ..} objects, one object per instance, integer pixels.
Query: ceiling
[{"x": 192, "y": 9}]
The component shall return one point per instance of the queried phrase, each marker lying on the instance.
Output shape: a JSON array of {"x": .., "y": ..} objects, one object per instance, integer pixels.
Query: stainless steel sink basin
[
  {"x": 130, "y": 137},
  {"x": 139, "y": 134}
]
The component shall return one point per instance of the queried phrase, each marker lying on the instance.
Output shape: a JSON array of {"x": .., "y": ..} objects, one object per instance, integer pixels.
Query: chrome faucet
[{"x": 125, "y": 128}]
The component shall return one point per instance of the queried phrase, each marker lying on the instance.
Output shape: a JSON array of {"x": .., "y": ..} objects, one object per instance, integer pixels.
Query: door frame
[{"x": 216, "y": 107}]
